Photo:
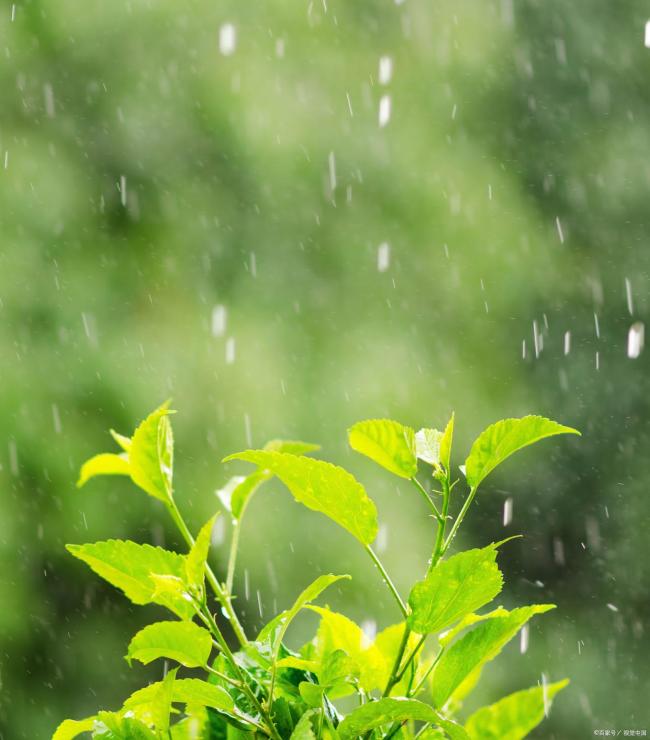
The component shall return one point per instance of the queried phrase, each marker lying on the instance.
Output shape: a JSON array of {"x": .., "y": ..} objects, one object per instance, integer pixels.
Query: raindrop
[
  {"x": 6, "y": 158},
  {"x": 13, "y": 457},
  {"x": 56, "y": 418},
  {"x": 230, "y": 350},
  {"x": 247, "y": 431},
  {"x": 279, "y": 48},
  {"x": 122, "y": 189},
  {"x": 383, "y": 257},
  {"x": 612, "y": 608},
  {"x": 347, "y": 97},
  {"x": 48, "y": 95},
  {"x": 647, "y": 34},
  {"x": 537, "y": 339},
  {"x": 247, "y": 585},
  {"x": 523, "y": 639},
  {"x": 368, "y": 633},
  {"x": 558, "y": 551},
  {"x": 227, "y": 39},
  {"x": 385, "y": 70},
  {"x": 219, "y": 317},
  {"x": 597, "y": 326},
  {"x": 253, "y": 265},
  {"x": 331, "y": 163},
  {"x": 545, "y": 694},
  {"x": 259, "y": 604},
  {"x": 628, "y": 294},
  {"x": 381, "y": 543},
  {"x": 13, "y": 12},
  {"x": 560, "y": 232},
  {"x": 567, "y": 342},
  {"x": 635, "y": 340},
  {"x": 507, "y": 512},
  {"x": 218, "y": 535},
  {"x": 384, "y": 110}
]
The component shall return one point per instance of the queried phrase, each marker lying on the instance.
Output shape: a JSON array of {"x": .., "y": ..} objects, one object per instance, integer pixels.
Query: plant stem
[
  {"x": 393, "y": 679},
  {"x": 428, "y": 499},
  {"x": 232, "y": 556},
  {"x": 442, "y": 523},
  {"x": 223, "y": 677},
  {"x": 459, "y": 518},
  {"x": 224, "y": 598},
  {"x": 411, "y": 657},
  {"x": 209, "y": 621},
  {"x": 423, "y": 680},
  {"x": 387, "y": 579}
]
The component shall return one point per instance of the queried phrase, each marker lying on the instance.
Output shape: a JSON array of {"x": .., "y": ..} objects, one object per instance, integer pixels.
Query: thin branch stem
[
  {"x": 411, "y": 657},
  {"x": 442, "y": 523},
  {"x": 222, "y": 596},
  {"x": 393, "y": 678},
  {"x": 459, "y": 518},
  {"x": 428, "y": 499},
  {"x": 387, "y": 579},
  {"x": 424, "y": 678}
]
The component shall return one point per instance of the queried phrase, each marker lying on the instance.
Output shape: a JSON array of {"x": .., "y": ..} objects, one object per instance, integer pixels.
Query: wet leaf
[
  {"x": 388, "y": 443},
  {"x": 184, "y": 642}
]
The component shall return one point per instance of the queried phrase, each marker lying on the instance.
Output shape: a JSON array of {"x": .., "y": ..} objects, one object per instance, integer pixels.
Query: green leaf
[
  {"x": 337, "y": 632},
  {"x": 185, "y": 691},
  {"x": 322, "y": 487},
  {"x": 184, "y": 642},
  {"x": 388, "y": 443},
  {"x": 445, "y": 444},
  {"x": 500, "y": 440},
  {"x": 104, "y": 464},
  {"x": 70, "y": 728},
  {"x": 514, "y": 716},
  {"x": 129, "y": 566},
  {"x": 445, "y": 638},
  {"x": 388, "y": 710},
  {"x": 198, "y": 555},
  {"x": 388, "y": 642},
  {"x": 151, "y": 455},
  {"x": 466, "y": 657},
  {"x": 116, "y": 726},
  {"x": 281, "y": 623},
  {"x": 292, "y": 446},
  {"x": 122, "y": 441},
  {"x": 427, "y": 446},
  {"x": 454, "y": 588},
  {"x": 304, "y": 730},
  {"x": 311, "y": 693},
  {"x": 237, "y": 492}
]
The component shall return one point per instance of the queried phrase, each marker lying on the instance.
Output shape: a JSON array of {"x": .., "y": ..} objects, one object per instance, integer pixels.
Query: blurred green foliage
[{"x": 148, "y": 178}]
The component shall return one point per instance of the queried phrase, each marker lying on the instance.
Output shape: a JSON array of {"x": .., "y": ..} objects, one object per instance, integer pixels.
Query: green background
[{"x": 146, "y": 178}]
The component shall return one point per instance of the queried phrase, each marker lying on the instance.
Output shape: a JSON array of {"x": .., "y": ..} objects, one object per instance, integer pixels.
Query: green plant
[{"x": 409, "y": 682}]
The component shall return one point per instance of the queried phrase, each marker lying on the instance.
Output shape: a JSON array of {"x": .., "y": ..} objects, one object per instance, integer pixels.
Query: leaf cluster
[{"x": 409, "y": 681}]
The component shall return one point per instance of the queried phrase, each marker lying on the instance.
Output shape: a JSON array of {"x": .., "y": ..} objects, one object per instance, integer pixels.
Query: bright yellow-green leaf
[
  {"x": 122, "y": 441},
  {"x": 292, "y": 446},
  {"x": 454, "y": 588},
  {"x": 185, "y": 691},
  {"x": 445, "y": 444},
  {"x": 388, "y": 443},
  {"x": 184, "y": 642},
  {"x": 500, "y": 440},
  {"x": 151, "y": 455},
  {"x": 468, "y": 655},
  {"x": 337, "y": 632},
  {"x": 104, "y": 464},
  {"x": 304, "y": 729},
  {"x": 198, "y": 555},
  {"x": 238, "y": 491},
  {"x": 388, "y": 710},
  {"x": 388, "y": 642},
  {"x": 322, "y": 487},
  {"x": 427, "y": 446},
  {"x": 70, "y": 728},
  {"x": 129, "y": 567},
  {"x": 122, "y": 726},
  {"x": 515, "y": 716},
  {"x": 445, "y": 638}
]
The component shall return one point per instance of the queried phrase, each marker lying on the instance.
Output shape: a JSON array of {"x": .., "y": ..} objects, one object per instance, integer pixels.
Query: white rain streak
[
  {"x": 279, "y": 48},
  {"x": 219, "y": 320},
  {"x": 90, "y": 330},
  {"x": 383, "y": 257},
  {"x": 6, "y": 158},
  {"x": 612, "y": 608},
  {"x": 646, "y": 38},
  {"x": 230, "y": 350},
  {"x": 628, "y": 295},
  {"x": 385, "y": 70},
  {"x": 347, "y": 97},
  {"x": 523, "y": 349},
  {"x": 253, "y": 265},
  {"x": 524, "y": 639},
  {"x": 218, "y": 535},
  {"x": 48, "y": 96},
  {"x": 368, "y": 633},
  {"x": 635, "y": 340},
  {"x": 13, "y": 12},
  {"x": 597, "y": 360},
  {"x": 381, "y": 543},
  {"x": 123, "y": 190},
  {"x": 567, "y": 342},
  {"x": 247, "y": 585},
  {"x": 507, "y": 512},
  {"x": 597, "y": 326},
  {"x": 384, "y": 110},
  {"x": 56, "y": 419},
  {"x": 558, "y": 226},
  {"x": 247, "y": 431},
  {"x": 227, "y": 39},
  {"x": 547, "y": 704},
  {"x": 538, "y": 340},
  {"x": 331, "y": 165},
  {"x": 13, "y": 457}
]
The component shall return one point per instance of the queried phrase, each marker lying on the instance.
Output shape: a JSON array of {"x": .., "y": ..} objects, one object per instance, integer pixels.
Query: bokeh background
[{"x": 202, "y": 200}]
